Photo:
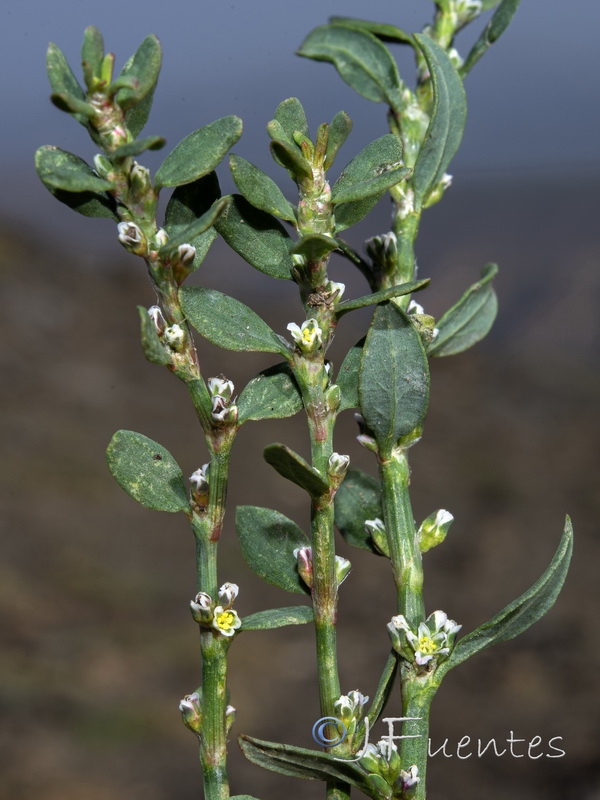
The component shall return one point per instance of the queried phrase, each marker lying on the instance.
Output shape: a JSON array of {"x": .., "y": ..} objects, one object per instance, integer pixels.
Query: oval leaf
[
  {"x": 139, "y": 146},
  {"x": 289, "y": 156},
  {"x": 186, "y": 205},
  {"x": 199, "y": 153},
  {"x": 227, "y": 322},
  {"x": 521, "y": 613},
  {"x": 257, "y": 237},
  {"x": 272, "y": 394},
  {"x": 268, "y": 540},
  {"x": 339, "y": 130},
  {"x": 278, "y": 618},
  {"x": 147, "y": 472},
  {"x": 347, "y": 377},
  {"x": 296, "y": 469},
  {"x": 144, "y": 67},
  {"x": 448, "y": 117},
  {"x": 260, "y": 190},
  {"x": 394, "y": 377},
  {"x": 61, "y": 77},
  {"x": 59, "y": 169},
  {"x": 314, "y": 246},
  {"x": 357, "y": 500},
  {"x": 362, "y": 61},
  {"x": 291, "y": 117},
  {"x": 469, "y": 320}
]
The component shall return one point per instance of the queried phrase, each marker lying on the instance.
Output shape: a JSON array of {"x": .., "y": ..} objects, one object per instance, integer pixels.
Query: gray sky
[{"x": 533, "y": 100}]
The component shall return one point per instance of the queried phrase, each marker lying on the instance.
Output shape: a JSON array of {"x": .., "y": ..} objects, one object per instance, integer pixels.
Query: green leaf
[
  {"x": 362, "y": 61},
  {"x": 347, "y": 377},
  {"x": 144, "y": 67},
  {"x": 348, "y": 214},
  {"x": 448, "y": 117},
  {"x": 186, "y": 205},
  {"x": 196, "y": 228},
  {"x": 314, "y": 246},
  {"x": 381, "y": 296},
  {"x": 77, "y": 108},
  {"x": 137, "y": 117},
  {"x": 298, "y": 762},
  {"x": 147, "y": 472},
  {"x": 272, "y": 394},
  {"x": 61, "y": 77},
  {"x": 339, "y": 130},
  {"x": 469, "y": 320},
  {"x": 374, "y": 170},
  {"x": 357, "y": 500},
  {"x": 199, "y": 153},
  {"x": 92, "y": 50},
  {"x": 257, "y": 237},
  {"x": 289, "y": 156},
  {"x": 521, "y": 614},
  {"x": 383, "y": 31},
  {"x": 59, "y": 169},
  {"x": 260, "y": 190},
  {"x": 153, "y": 348},
  {"x": 268, "y": 540},
  {"x": 491, "y": 33},
  {"x": 227, "y": 322},
  {"x": 384, "y": 689},
  {"x": 394, "y": 377},
  {"x": 278, "y": 618},
  {"x": 139, "y": 146},
  {"x": 296, "y": 469},
  {"x": 291, "y": 116},
  {"x": 89, "y": 204}
]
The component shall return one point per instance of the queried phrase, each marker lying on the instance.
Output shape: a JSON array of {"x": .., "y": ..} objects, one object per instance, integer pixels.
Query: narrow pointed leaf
[
  {"x": 147, "y": 472},
  {"x": 226, "y": 322},
  {"x": 272, "y": 394},
  {"x": 153, "y": 348},
  {"x": 394, "y": 377},
  {"x": 196, "y": 228},
  {"x": 347, "y": 377},
  {"x": 92, "y": 49},
  {"x": 314, "y": 246},
  {"x": 278, "y": 618},
  {"x": 137, "y": 116},
  {"x": 298, "y": 762},
  {"x": 384, "y": 689},
  {"x": 339, "y": 130},
  {"x": 199, "y": 153},
  {"x": 362, "y": 61},
  {"x": 289, "y": 156},
  {"x": 348, "y": 214},
  {"x": 144, "y": 67},
  {"x": 371, "y": 186},
  {"x": 469, "y": 320},
  {"x": 491, "y": 33},
  {"x": 521, "y": 614},
  {"x": 383, "y": 31},
  {"x": 291, "y": 116},
  {"x": 59, "y": 169},
  {"x": 139, "y": 146},
  {"x": 61, "y": 77},
  {"x": 448, "y": 117},
  {"x": 72, "y": 105},
  {"x": 260, "y": 190},
  {"x": 268, "y": 540},
  {"x": 357, "y": 500},
  {"x": 381, "y": 296},
  {"x": 296, "y": 469},
  {"x": 257, "y": 237},
  {"x": 187, "y": 204}
]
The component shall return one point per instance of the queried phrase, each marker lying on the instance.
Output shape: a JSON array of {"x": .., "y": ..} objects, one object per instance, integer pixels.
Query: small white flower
[
  {"x": 156, "y": 315},
  {"x": 434, "y": 638},
  {"x": 373, "y": 525},
  {"x": 349, "y": 706},
  {"x": 308, "y": 336},
  {"x": 434, "y": 529},
  {"x": 102, "y": 165},
  {"x": 338, "y": 464},
  {"x": 186, "y": 254},
  {"x": 130, "y": 234},
  {"x": 230, "y": 713},
  {"x": 200, "y": 478},
  {"x": 174, "y": 336},
  {"x": 161, "y": 237},
  {"x": 342, "y": 569},
  {"x": 202, "y": 608},
  {"x": 415, "y": 308},
  {"x": 410, "y": 778},
  {"x": 220, "y": 386},
  {"x": 336, "y": 289},
  {"x": 191, "y": 711},
  {"x": 226, "y": 621},
  {"x": 303, "y": 556},
  {"x": 227, "y": 594}
]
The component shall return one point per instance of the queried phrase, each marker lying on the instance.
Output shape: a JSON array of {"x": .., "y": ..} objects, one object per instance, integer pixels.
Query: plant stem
[
  {"x": 417, "y": 694},
  {"x": 401, "y": 534}
]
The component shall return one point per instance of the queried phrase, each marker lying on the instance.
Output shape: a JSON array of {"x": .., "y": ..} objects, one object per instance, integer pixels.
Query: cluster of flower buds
[
  {"x": 199, "y": 481},
  {"x": 432, "y": 642},
  {"x": 224, "y": 411},
  {"x": 385, "y": 773},
  {"x": 434, "y": 529},
  {"x": 424, "y": 323},
  {"x": 308, "y": 336},
  {"x": 349, "y": 708},
  {"x": 220, "y": 618},
  {"x": 376, "y": 529},
  {"x": 303, "y": 556},
  {"x": 383, "y": 252}
]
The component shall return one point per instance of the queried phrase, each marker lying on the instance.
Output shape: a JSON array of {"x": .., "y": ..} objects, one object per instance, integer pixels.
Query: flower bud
[
  {"x": 191, "y": 712},
  {"x": 220, "y": 386},
  {"x": 333, "y": 397},
  {"x": 335, "y": 291},
  {"x": 342, "y": 569},
  {"x": 199, "y": 481},
  {"x": 186, "y": 254},
  {"x": 365, "y": 437},
  {"x": 139, "y": 179},
  {"x": 132, "y": 238},
  {"x": 383, "y": 251},
  {"x": 230, "y": 713},
  {"x": 407, "y": 781},
  {"x": 303, "y": 556},
  {"x": 434, "y": 529},
  {"x": 202, "y": 608},
  {"x": 174, "y": 336},
  {"x": 376, "y": 529},
  {"x": 161, "y": 237},
  {"x": 338, "y": 465},
  {"x": 227, "y": 594},
  {"x": 103, "y": 166},
  {"x": 156, "y": 315}
]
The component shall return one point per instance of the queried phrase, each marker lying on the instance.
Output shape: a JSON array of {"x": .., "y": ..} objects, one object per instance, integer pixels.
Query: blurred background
[{"x": 97, "y": 643}]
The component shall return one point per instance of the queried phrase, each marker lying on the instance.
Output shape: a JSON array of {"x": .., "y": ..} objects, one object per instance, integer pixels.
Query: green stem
[
  {"x": 213, "y": 741},
  {"x": 417, "y": 694},
  {"x": 402, "y": 537}
]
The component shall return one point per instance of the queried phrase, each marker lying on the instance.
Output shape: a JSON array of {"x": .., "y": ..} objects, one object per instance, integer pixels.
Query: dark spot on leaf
[{"x": 157, "y": 457}]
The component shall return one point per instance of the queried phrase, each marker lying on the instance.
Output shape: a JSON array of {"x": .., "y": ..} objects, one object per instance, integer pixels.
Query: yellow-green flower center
[
  {"x": 427, "y": 645},
  {"x": 308, "y": 335},
  {"x": 225, "y": 620}
]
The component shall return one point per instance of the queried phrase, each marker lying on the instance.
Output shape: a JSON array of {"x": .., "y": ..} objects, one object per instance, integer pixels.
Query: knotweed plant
[{"x": 385, "y": 376}]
